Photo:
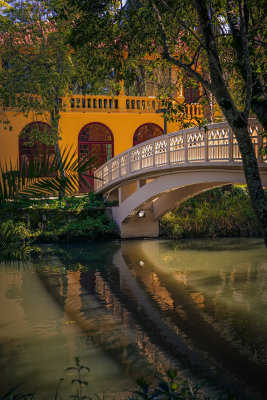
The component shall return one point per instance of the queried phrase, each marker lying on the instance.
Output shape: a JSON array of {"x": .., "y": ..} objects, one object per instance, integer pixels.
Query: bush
[
  {"x": 219, "y": 212},
  {"x": 70, "y": 219},
  {"x": 89, "y": 200},
  {"x": 15, "y": 231},
  {"x": 71, "y": 229},
  {"x": 14, "y": 241}
]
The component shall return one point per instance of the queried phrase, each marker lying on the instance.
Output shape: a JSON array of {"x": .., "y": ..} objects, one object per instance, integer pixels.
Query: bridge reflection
[{"x": 151, "y": 305}]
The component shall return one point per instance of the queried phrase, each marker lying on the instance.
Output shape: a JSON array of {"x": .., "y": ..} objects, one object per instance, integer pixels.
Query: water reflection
[{"x": 137, "y": 307}]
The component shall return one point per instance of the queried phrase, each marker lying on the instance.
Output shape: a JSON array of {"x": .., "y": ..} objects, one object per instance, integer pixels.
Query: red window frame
[
  {"x": 38, "y": 148},
  {"x": 102, "y": 147},
  {"x": 157, "y": 131}
]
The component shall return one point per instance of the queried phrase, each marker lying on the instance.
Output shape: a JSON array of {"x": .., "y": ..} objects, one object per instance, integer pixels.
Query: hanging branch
[{"x": 166, "y": 52}]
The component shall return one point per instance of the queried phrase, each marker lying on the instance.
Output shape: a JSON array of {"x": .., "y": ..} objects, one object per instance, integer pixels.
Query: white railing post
[
  {"x": 260, "y": 141},
  {"x": 206, "y": 141},
  {"x": 119, "y": 167},
  {"x": 231, "y": 144},
  {"x": 185, "y": 148},
  {"x": 109, "y": 173}
]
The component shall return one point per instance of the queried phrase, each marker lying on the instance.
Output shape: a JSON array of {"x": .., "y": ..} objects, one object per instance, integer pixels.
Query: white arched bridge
[{"x": 155, "y": 176}]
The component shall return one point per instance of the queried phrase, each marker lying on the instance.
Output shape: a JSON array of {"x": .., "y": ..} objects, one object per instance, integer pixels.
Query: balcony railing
[
  {"x": 122, "y": 103},
  {"x": 112, "y": 104}
]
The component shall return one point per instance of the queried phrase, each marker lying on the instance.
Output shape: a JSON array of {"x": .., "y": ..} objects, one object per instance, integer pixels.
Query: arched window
[
  {"x": 146, "y": 132},
  {"x": 26, "y": 152},
  {"x": 96, "y": 139}
]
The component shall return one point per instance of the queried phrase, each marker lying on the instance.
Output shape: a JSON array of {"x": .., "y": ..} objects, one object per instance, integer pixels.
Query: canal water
[{"x": 136, "y": 308}]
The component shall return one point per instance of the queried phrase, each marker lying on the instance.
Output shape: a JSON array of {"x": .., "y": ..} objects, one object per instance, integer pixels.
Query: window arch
[
  {"x": 96, "y": 139},
  {"x": 146, "y": 132},
  {"x": 26, "y": 152}
]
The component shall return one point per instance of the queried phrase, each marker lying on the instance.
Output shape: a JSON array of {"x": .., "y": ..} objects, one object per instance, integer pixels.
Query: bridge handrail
[{"x": 216, "y": 143}]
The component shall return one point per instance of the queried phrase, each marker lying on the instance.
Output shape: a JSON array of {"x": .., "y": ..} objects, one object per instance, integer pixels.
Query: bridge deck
[{"x": 214, "y": 147}]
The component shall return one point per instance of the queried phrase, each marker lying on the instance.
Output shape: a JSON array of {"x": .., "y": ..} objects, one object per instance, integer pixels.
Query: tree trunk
[
  {"x": 251, "y": 171},
  {"x": 237, "y": 121},
  {"x": 259, "y": 102}
]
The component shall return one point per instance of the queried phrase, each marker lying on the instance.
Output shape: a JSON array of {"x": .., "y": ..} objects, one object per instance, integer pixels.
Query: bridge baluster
[{"x": 183, "y": 147}]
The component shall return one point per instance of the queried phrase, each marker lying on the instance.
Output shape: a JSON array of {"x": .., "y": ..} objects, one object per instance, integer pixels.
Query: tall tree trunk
[
  {"x": 259, "y": 101},
  {"x": 259, "y": 96},
  {"x": 237, "y": 120},
  {"x": 251, "y": 171}
]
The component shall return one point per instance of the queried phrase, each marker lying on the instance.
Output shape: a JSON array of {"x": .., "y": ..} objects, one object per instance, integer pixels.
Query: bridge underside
[{"x": 142, "y": 202}]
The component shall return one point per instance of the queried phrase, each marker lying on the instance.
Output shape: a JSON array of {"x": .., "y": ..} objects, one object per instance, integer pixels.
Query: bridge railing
[{"x": 216, "y": 144}]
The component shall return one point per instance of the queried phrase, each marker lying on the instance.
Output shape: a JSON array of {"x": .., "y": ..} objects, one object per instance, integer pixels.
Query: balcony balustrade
[{"x": 117, "y": 104}]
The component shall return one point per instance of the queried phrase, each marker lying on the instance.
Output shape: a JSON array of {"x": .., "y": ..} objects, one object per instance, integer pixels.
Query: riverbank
[
  {"x": 72, "y": 219},
  {"x": 221, "y": 212}
]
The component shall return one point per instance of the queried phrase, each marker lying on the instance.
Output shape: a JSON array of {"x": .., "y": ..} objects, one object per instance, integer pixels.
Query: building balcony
[{"x": 122, "y": 104}]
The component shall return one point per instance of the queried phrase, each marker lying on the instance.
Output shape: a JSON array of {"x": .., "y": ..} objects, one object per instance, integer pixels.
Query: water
[{"x": 136, "y": 307}]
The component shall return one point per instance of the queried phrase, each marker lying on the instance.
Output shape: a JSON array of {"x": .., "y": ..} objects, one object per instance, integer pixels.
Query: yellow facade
[{"x": 121, "y": 114}]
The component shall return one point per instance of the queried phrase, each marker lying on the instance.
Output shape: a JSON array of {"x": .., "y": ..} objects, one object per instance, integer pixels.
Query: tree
[
  {"x": 39, "y": 68},
  {"x": 227, "y": 37}
]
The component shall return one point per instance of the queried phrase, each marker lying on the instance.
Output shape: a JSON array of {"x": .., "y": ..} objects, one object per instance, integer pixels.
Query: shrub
[
  {"x": 220, "y": 212},
  {"x": 14, "y": 241},
  {"x": 15, "y": 231},
  {"x": 73, "y": 229}
]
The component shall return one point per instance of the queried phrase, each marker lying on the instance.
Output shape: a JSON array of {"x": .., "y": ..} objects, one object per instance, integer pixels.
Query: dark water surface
[{"x": 137, "y": 307}]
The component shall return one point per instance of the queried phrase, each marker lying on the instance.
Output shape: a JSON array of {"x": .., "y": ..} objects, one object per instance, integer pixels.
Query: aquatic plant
[
  {"x": 174, "y": 387},
  {"x": 79, "y": 382}
]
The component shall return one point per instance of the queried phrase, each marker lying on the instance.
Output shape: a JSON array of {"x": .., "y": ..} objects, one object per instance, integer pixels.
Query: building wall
[{"x": 123, "y": 126}]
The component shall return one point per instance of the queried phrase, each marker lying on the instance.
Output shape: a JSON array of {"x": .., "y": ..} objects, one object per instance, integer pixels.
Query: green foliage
[
  {"x": 38, "y": 66},
  {"x": 39, "y": 176},
  {"x": 173, "y": 388},
  {"x": 73, "y": 229},
  {"x": 15, "y": 240},
  {"x": 220, "y": 212},
  {"x": 78, "y": 203}
]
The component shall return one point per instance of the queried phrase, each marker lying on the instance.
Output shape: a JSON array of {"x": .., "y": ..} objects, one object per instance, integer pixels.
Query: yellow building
[{"x": 101, "y": 125}]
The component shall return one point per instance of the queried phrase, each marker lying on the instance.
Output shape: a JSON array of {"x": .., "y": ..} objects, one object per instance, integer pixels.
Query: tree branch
[
  {"x": 249, "y": 82},
  {"x": 166, "y": 54},
  {"x": 184, "y": 24}
]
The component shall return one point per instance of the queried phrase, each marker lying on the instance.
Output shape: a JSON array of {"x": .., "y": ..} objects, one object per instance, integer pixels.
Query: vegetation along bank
[{"x": 221, "y": 212}]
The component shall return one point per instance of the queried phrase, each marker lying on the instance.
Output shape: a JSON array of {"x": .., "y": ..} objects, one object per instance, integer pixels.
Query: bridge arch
[
  {"x": 169, "y": 190},
  {"x": 161, "y": 173}
]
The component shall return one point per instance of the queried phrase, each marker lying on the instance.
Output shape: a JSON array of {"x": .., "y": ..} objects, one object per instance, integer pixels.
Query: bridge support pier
[{"x": 136, "y": 226}]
